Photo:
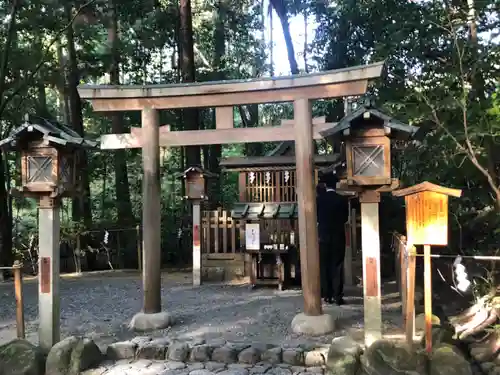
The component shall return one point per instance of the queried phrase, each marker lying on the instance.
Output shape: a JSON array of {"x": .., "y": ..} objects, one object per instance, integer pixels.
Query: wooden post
[
  {"x": 139, "y": 248},
  {"x": 18, "y": 289},
  {"x": 196, "y": 244},
  {"x": 48, "y": 275},
  {"x": 348, "y": 279},
  {"x": 428, "y": 298},
  {"x": 370, "y": 244},
  {"x": 306, "y": 199},
  {"x": 151, "y": 214},
  {"x": 402, "y": 266},
  {"x": 410, "y": 297}
]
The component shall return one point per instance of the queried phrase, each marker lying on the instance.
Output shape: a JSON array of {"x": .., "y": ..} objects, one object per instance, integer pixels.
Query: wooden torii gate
[{"x": 299, "y": 89}]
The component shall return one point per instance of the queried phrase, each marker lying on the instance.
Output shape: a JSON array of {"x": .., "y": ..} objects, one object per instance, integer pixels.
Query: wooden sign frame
[{"x": 427, "y": 213}]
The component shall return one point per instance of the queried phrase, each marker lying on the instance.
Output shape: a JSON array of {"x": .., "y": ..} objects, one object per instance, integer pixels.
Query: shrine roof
[
  {"x": 272, "y": 162},
  {"x": 49, "y": 130}
]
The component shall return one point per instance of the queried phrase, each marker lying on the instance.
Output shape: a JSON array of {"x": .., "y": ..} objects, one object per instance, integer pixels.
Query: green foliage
[{"x": 437, "y": 78}]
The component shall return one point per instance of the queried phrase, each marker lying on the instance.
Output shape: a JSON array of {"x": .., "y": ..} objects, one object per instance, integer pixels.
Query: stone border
[{"x": 216, "y": 351}]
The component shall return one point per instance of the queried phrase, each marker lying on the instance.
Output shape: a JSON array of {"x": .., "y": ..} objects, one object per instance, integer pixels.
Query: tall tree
[
  {"x": 122, "y": 189},
  {"x": 6, "y": 256},
  {"x": 190, "y": 116},
  {"x": 81, "y": 207}
]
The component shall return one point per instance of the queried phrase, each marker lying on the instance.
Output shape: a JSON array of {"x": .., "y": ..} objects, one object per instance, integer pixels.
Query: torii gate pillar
[
  {"x": 151, "y": 317},
  {"x": 312, "y": 321}
]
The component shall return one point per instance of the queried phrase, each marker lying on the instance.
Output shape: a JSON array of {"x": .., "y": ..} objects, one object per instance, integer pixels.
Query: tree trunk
[
  {"x": 478, "y": 93},
  {"x": 280, "y": 8},
  {"x": 81, "y": 208},
  {"x": 122, "y": 188},
  {"x": 190, "y": 117},
  {"x": 215, "y": 151},
  {"x": 6, "y": 256}
]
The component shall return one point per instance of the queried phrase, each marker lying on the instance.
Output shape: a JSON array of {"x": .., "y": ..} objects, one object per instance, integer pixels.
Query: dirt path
[{"x": 101, "y": 305}]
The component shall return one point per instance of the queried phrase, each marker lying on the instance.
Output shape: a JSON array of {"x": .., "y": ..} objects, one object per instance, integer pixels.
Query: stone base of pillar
[
  {"x": 150, "y": 322},
  {"x": 313, "y": 325}
]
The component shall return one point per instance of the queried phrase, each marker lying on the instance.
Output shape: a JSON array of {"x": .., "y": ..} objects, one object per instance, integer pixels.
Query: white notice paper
[{"x": 252, "y": 237}]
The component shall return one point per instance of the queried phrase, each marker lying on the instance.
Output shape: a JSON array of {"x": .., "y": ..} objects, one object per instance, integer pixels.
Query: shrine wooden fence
[{"x": 221, "y": 234}]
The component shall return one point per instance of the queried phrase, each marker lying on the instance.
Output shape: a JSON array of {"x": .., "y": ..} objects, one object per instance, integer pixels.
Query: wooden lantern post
[
  {"x": 47, "y": 174},
  {"x": 195, "y": 180},
  {"x": 367, "y": 134},
  {"x": 427, "y": 224}
]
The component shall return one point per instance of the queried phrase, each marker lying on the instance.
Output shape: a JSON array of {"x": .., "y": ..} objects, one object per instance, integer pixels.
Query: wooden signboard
[
  {"x": 426, "y": 224},
  {"x": 427, "y": 218},
  {"x": 427, "y": 213}
]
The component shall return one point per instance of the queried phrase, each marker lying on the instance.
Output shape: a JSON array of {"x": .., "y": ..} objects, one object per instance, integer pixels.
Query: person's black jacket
[{"x": 332, "y": 212}]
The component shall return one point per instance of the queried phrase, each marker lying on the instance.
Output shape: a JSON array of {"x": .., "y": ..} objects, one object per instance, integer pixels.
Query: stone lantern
[
  {"x": 47, "y": 151},
  {"x": 366, "y": 133}
]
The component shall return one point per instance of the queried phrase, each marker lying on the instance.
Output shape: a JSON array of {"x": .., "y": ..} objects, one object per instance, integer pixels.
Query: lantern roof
[
  {"x": 50, "y": 130},
  {"x": 196, "y": 169},
  {"x": 368, "y": 110}
]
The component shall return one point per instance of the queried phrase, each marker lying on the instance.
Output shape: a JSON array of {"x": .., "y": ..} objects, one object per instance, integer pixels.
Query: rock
[
  {"x": 85, "y": 355},
  {"x": 385, "y": 357},
  {"x": 174, "y": 365},
  {"x": 316, "y": 357},
  {"x": 420, "y": 322},
  {"x": 200, "y": 353},
  {"x": 234, "y": 372},
  {"x": 140, "y": 340},
  {"x": 443, "y": 334},
  {"x": 485, "y": 350},
  {"x": 273, "y": 355},
  {"x": 178, "y": 351},
  {"x": 201, "y": 372},
  {"x": 487, "y": 367},
  {"x": 344, "y": 356},
  {"x": 152, "y": 350},
  {"x": 279, "y": 371},
  {"x": 316, "y": 370},
  {"x": 297, "y": 369},
  {"x": 225, "y": 354},
  {"x": 151, "y": 322},
  {"x": 19, "y": 357},
  {"x": 121, "y": 350},
  {"x": 294, "y": 357},
  {"x": 72, "y": 356},
  {"x": 238, "y": 366},
  {"x": 313, "y": 325},
  {"x": 214, "y": 366},
  {"x": 249, "y": 355},
  {"x": 446, "y": 360},
  {"x": 260, "y": 369},
  {"x": 195, "y": 366}
]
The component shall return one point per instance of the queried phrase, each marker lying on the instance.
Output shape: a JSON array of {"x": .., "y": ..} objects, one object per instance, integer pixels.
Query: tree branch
[{"x": 42, "y": 61}]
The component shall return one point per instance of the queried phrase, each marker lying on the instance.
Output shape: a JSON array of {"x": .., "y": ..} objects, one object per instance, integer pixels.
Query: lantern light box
[
  {"x": 427, "y": 213},
  {"x": 47, "y": 151},
  {"x": 367, "y": 134},
  {"x": 195, "y": 180}
]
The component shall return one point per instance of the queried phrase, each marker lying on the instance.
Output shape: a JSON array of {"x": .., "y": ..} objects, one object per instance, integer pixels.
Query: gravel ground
[{"x": 101, "y": 307}]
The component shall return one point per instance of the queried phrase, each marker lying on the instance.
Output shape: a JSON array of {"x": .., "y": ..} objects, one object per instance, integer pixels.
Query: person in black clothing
[{"x": 332, "y": 211}]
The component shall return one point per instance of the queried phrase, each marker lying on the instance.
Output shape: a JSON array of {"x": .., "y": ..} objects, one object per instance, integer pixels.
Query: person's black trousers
[{"x": 332, "y": 269}]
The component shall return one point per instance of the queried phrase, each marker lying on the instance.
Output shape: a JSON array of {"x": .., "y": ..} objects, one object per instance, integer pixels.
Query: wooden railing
[
  {"x": 18, "y": 293},
  {"x": 405, "y": 279},
  {"x": 220, "y": 232},
  {"x": 223, "y": 234}
]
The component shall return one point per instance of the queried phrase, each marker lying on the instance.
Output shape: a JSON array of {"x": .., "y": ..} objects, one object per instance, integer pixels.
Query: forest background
[{"x": 442, "y": 74}]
